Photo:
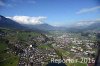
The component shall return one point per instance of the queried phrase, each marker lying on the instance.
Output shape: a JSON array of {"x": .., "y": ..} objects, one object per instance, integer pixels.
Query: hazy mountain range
[
  {"x": 83, "y": 25},
  {"x": 87, "y": 25}
]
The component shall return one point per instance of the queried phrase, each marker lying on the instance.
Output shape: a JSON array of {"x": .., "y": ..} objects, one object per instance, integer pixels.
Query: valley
[
  {"x": 49, "y": 32},
  {"x": 28, "y": 48}
]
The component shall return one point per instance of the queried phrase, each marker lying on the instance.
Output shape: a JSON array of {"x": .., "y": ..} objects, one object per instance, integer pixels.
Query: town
[{"x": 35, "y": 49}]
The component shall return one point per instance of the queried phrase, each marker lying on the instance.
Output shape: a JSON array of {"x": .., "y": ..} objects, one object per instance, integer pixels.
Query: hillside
[{"x": 12, "y": 43}]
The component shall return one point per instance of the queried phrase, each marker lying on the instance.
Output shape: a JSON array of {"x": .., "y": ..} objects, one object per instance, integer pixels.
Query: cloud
[
  {"x": 24, "y": 1},
  {"x": 31, "y": 1},
  {"x": 2, "y": 3},
  {"x": 87, "y": 22},
  {"x": 82, "y": 23},
  {"x": 28, "y": 19},
  {"x": 13, "y": 3},
  {"x": 88, "y": 10}
]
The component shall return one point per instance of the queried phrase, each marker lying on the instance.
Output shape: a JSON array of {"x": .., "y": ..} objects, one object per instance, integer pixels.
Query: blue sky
[{"x": 57, "y": 12}]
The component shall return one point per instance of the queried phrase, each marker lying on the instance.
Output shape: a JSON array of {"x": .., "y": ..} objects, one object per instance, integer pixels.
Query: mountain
[
  {"x": 43, "y": 26},
  {"x": 11, "y": 24},
  {"x": 8, "y": 23}
]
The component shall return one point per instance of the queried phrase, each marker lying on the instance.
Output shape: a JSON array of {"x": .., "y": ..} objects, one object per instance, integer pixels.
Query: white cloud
[
  {"x": 2, "y": 3},
  {"x": 28, "y": 19},
  {"x": 88, "y": 10},
  {"x": 87, "y": 22},
  {"x": 82, "y": 23}
]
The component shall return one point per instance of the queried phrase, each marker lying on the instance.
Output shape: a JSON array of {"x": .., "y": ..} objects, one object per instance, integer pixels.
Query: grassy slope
[{"x": 7, "y": 59}]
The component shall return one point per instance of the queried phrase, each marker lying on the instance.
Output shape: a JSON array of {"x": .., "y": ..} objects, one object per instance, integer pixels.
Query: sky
[{"x": 53, "y": 12}]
